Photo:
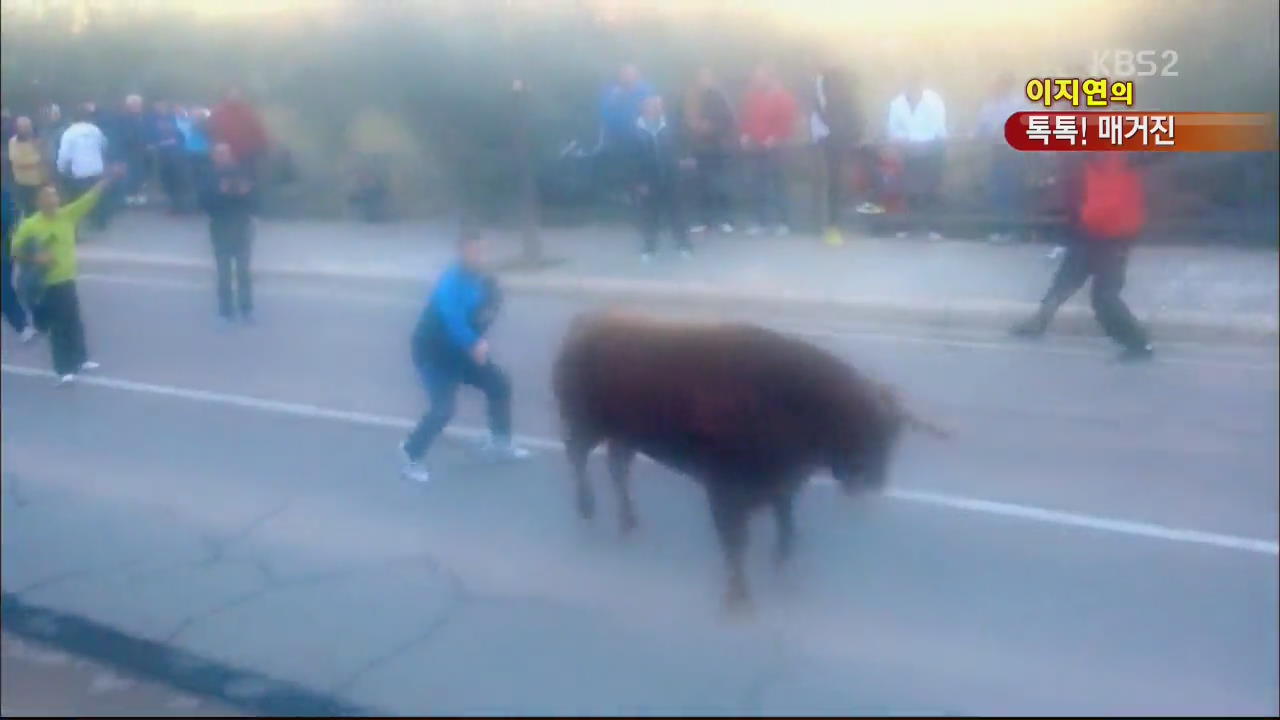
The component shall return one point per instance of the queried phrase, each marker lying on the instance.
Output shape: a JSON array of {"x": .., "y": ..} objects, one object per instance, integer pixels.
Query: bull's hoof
[{"x": 586, "y": 506}]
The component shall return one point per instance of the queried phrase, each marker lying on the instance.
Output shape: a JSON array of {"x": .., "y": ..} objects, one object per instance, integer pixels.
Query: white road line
[
  {"x": 1081, "y": 347},
  {"x": 954, "y": 502}
]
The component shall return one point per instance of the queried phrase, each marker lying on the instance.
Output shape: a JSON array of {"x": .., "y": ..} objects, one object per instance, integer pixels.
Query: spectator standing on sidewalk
[
  {"x": 50, "y": 129},
  {"x": 619, "y": 109},
  {"x": 918, "y": 131},
  {"x": 129, "y": 133},
  {"x": 12, "y": 308},
  {"x": 193, "y": 124},
  {"x": 1108, "y": 214},
  {"x": 229, "y": 196},
  {"x": 657, "y": 161},
  {"x": 449, "y": 348},
  {"x": 235, "y": 121},
  {"x": 1006, "y": 175},
  {"x": 29, "y": 165},
  {"x": 82, "y": 160},
  {"x": 768, "y": 122},
  {"x": 834, "y": 128},
  {"x": 710, "y": 129},
  {"x": 44, "y": 246},
  {"x": 166, "y": 146}
]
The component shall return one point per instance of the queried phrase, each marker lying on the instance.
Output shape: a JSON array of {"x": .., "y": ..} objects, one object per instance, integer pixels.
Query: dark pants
[
  {"x": 9, "y": 303},
  {"x": 1005, "y": 189},
  {"x": 922, "y": 182},
  {"x": 24, "y": 196},
  {"x": 59, "y": 311},
  {"x": 1105, "y": 262},
  {"x": 442, "y": 376},
  {"x": 709, "y": 176},
  {"x": 659, "y": 207},
  {"x": 232, "y": 246},
  {"x": 173, "y": 178},
  {"x": 99, "y": 215},
  {"x": 834, "y": 155},
  {"x": 768, "y": 186}
]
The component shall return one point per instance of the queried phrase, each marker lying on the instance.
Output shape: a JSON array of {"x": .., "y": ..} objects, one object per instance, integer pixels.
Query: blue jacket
[
  {"x": 619, "y": 109},
  {"x": 461, "y": 306}
]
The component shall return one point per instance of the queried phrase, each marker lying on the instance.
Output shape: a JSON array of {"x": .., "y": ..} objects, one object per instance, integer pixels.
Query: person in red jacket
[
  {"x": 768, "y": 122},
  {"x": 235, "y": 122},
  {"x": 1107, "y": 210}
]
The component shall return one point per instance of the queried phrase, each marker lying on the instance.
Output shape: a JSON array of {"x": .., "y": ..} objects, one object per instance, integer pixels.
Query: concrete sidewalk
[{"x": 1183, "y": 293}]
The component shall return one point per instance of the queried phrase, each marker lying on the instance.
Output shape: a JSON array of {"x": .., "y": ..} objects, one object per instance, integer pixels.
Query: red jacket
[
  {"x": 236, "y": 123},
  {"x": 769, "y": 114}
]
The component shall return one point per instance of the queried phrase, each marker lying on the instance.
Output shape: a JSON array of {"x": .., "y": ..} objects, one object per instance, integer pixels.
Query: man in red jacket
[
  {"x": 768, "y": 122},
  {"x": 1107, "y": 210}
]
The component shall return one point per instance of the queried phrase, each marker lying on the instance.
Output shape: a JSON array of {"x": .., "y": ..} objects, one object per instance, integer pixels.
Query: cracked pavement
[{"x": 287, "y": 548}]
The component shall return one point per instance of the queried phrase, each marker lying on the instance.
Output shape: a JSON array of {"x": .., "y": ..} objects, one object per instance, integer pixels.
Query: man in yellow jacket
[
  {"x": 44, "y": 248},
  {"x": 30, "y": 166}
]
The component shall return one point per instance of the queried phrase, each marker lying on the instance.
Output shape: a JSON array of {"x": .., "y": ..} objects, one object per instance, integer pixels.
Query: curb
[{"x": 966, "y": 315}]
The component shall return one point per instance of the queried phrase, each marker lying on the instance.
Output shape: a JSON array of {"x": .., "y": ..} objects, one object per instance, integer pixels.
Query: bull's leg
[
  {"x": 786, "y": 527},
  {"x": 729, "y": 510},
  {"x": 578, "y": 445},
  {"x": 620, "y": 458}
]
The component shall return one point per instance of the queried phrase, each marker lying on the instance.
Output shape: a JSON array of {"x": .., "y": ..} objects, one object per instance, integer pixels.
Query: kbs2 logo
[{"x": 1134, "y": 63}]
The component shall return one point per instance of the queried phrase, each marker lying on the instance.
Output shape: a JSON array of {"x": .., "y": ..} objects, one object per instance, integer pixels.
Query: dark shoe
[
  {"x": 1032, "y": 327},
  {"x": 1137, "y": 353}
]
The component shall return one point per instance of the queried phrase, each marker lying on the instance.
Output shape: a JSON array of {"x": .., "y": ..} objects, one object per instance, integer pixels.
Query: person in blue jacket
[{"x": 449, "y": 349}]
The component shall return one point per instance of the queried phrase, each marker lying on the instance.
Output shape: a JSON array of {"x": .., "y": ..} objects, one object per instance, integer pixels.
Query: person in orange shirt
[{"x": 768, "y": 122}]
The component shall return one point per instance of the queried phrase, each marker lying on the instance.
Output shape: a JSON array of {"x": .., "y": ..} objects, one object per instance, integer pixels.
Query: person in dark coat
[
  {"x": 657, "y": 162},
  {"x": 229, "y": 196},
  {"x": 709, "y": 126}
]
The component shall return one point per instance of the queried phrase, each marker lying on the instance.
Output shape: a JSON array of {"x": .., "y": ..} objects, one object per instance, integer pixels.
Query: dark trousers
[
  {"x": 709, "y": 176},
  {"x": 232, "y": 246},
  {"x": 922, "y": 182},
  {"x": 24, "y": 196},
  {"x": 59, "y": 311},
  {"x": 1106, "y": 262},
  {"x": 9, "y": 304},
  {"x": 768, "y": 186},
  {"x": 659, "y": 207},
  {"x": 441, "y": 376},
  {"x": 1005, "y": 189},
  {"x": 101, "y": 211},
  {"x": 834, "y": 155},
  {"x": 173, "y": 178}
]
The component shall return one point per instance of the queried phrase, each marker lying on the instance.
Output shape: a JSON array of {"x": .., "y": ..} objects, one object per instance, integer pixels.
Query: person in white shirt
[
  {"x": 1006, "y": 177},
  {"x": 80, "y": 159},
  {"x": 918, "y": 130}
]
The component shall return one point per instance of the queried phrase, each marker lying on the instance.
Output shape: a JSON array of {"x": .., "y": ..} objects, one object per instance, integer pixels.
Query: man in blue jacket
[{"x": 449, "y": 349}]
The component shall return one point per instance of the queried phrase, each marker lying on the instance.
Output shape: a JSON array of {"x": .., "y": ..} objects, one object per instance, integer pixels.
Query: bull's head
[{"x": 862, "y": 463}]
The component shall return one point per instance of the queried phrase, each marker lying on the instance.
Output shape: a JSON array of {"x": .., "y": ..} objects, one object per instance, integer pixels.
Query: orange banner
[{"x": 1141, "y": 132}]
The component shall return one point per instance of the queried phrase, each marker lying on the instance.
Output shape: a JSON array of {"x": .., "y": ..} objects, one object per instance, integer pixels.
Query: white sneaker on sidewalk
[
  {"x": 67, "y": 379},
  {"x": 89, "y": 366},
  {"x": 412, "y": 469},
  {"x": 28, "y": 334},
  {"x": 697, "y": 228},
  {"x": 726, "y": 228}
]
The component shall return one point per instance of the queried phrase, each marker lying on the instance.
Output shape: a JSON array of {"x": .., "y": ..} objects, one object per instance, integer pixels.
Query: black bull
[{"x": 748, "y": 412}]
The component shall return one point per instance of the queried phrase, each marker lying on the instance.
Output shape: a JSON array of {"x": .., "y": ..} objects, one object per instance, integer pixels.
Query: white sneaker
[
  {"x": 89, "y": 365},
  {"x": 66, "y": 379},
  {"x": 1056, "y": 252},
  {"x": 28, "y": 334},
  {"x": 697, "y": 228},
  {"x": 870, "y": 208},
  {"x": 504, "y": 450},
  {"x": 412, "y": 469},
  {"x": 726, "y": 228},
  {"x": 935, "y": 236}
]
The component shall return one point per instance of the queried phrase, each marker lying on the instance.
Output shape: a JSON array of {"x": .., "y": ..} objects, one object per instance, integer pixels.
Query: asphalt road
[{"x": 1097, "y": 538}]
